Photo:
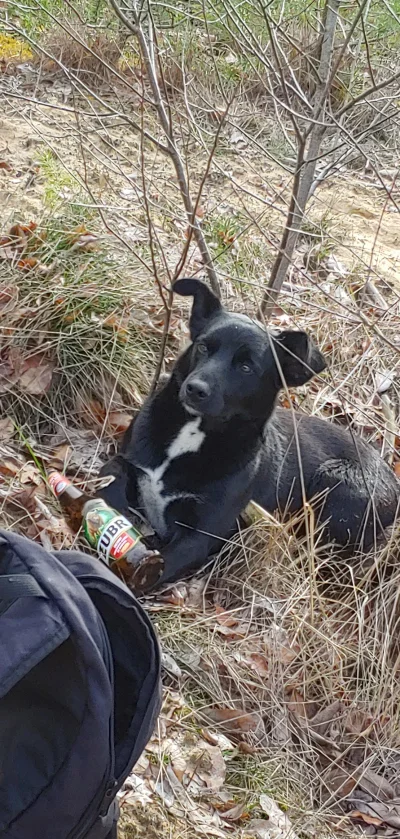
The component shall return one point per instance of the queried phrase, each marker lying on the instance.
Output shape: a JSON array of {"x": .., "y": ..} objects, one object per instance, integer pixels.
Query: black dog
[{"x": 211, "y": 439}]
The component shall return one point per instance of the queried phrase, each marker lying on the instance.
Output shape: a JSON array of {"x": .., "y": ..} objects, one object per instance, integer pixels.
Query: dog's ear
[
  {"x": 205, "y": 303},
  {"x": 299, "y": 358}
]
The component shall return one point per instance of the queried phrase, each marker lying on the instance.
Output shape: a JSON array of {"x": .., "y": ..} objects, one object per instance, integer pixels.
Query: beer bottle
[{"x": 114, "y": 538}]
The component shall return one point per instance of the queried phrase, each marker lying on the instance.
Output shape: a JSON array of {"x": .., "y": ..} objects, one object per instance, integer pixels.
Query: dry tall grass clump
[
  {"x": 300, "y": 669},
  {"x": 93, "y": 57},
  {"x": 77, "y": 339}
]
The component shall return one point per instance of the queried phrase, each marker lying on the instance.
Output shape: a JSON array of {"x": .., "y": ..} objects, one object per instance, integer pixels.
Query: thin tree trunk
[{"x": 306, "y": 162}]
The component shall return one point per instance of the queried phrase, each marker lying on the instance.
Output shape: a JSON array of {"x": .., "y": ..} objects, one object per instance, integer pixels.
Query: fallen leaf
[
  {"x": 175, "y": 596},
  {"x": 238, "y": 139},
  {"x": 92, "y": 412},
  {"x": 6, "y": 248},
  {"x": 261, "y": 829},
  {"x": 196, "y": 764},
  {"x": 136, "y": 791},
  {"x": 232, "y": 633},
  {"x": 169, "y": 664},
  {"x": 7, "y": 429},
  {"x": 365, "y": 817},
  {"x": 30, "y": 474},
  {"x": 60, "y": 456},
  {"x": 335, "y": 267},
  {"x": 234, "y": 720},
  {"x": 118, "y": 422},
  {"x": 82, "y": 239},
  {"x": 254, "y": 661},
  {"x": 87, "y": 242},
  {"x": 277, "y": 817},
  {"x": 31, "y": 263},
  {"x": 176, "y": 798},
  {"x": 259, "y": 664},
  {"x": 225, "y": 618},
  {"x": 22, "y": 499},
  {"x": 297, "y": 706},
  {"x": 195, "y": 592},
  {"x": 27, "y": 263},
  {"x": 120, "y": 323},
  {"x": 279, "y": 647},
  {"x": 247, "y": 748},
  {"x": 10, "y": 466},
  {"x": 87, "y": 452},
  {"x": 356, "y": 721},
  {"x": 20, "y": 234},
  {"x": 6, "y": 166},
  {"x": 215, "y": 738},
  {"x": 374, "y": 783},
  {"x": 234, "y": 813},
  {"x": 254, "y": 513},
  {"x": 389, "y": 811},
  {"x": 324, "y": 718},
  {"x": 339, "y": 782},
  {"x": 37, "y": 379}
]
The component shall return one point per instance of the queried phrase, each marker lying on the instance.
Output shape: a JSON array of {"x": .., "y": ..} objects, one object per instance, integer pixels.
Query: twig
[{"x": 135, "y": 27}]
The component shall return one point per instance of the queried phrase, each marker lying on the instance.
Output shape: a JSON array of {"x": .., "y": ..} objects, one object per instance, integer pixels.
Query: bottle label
[
  {"x": 58, "y": 483},
  {"x": 112, "y": 535}
]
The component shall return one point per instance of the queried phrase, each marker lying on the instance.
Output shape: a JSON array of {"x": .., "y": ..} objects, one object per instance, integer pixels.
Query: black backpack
[{"x": 79, "y": 692}]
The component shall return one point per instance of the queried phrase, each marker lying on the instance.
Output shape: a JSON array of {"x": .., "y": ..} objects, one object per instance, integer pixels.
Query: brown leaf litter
[{"x": 186, "y": 773}]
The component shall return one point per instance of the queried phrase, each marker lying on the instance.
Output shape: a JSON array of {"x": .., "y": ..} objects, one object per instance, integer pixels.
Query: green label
[{"x": 111, "y": 534}]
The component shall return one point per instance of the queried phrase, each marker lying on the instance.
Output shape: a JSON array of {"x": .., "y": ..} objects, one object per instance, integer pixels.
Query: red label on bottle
[
  {"x": 121, "y": 546},
  {"x": 58, "y": 483}
]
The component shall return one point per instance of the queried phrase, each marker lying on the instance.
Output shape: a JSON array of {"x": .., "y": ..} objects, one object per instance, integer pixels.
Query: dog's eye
[
  {"x": 246, "y": 368},
  {"x": 202, "y": 349}
]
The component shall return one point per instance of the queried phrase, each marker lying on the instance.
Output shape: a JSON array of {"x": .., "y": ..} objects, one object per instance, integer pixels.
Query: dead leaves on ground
[
  {"x": 24, "y": 496},
  {"x": 95, "y": 415},
  {"x": 30, "y": 373},
  {"x": 25, "y": 499},
  {"x": 21, "y": 245},
  {"x": 379, "y": 815},
  {"x": 82, "y": 239},
  {"x": 234, "y": 721},
  {"x": 260, "y": 670},
  {"x": 186, "y": 769}
]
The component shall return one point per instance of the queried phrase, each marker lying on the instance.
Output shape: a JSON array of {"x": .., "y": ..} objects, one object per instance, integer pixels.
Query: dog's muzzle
[{"x": 195, "y": 394}]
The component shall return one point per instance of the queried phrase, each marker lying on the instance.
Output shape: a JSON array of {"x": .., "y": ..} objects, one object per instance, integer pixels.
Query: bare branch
[
  {"x": 135, "y": 27},
  {"x": 306, "y": 163}
]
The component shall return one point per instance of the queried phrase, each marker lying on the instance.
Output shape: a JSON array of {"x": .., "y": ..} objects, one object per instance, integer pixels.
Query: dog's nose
[{"x": 197, "y": 389}]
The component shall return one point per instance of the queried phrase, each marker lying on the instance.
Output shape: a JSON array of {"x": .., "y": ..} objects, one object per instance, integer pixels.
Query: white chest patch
[{"x": 151, "y": 483}]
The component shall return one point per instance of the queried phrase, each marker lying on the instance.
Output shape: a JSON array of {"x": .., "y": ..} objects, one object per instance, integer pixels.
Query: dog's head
[{"x": 236, "y": 367}]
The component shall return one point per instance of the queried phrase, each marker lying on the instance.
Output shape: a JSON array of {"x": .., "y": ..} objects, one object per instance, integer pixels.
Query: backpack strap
[{"x": 13, "y": 586}]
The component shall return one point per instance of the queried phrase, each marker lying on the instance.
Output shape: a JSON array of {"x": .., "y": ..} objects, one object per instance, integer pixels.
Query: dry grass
[
  {"x": 92, "y": 57},
  {"x": 77, "y": 316},
  {"x": 316, "y": 663}
]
